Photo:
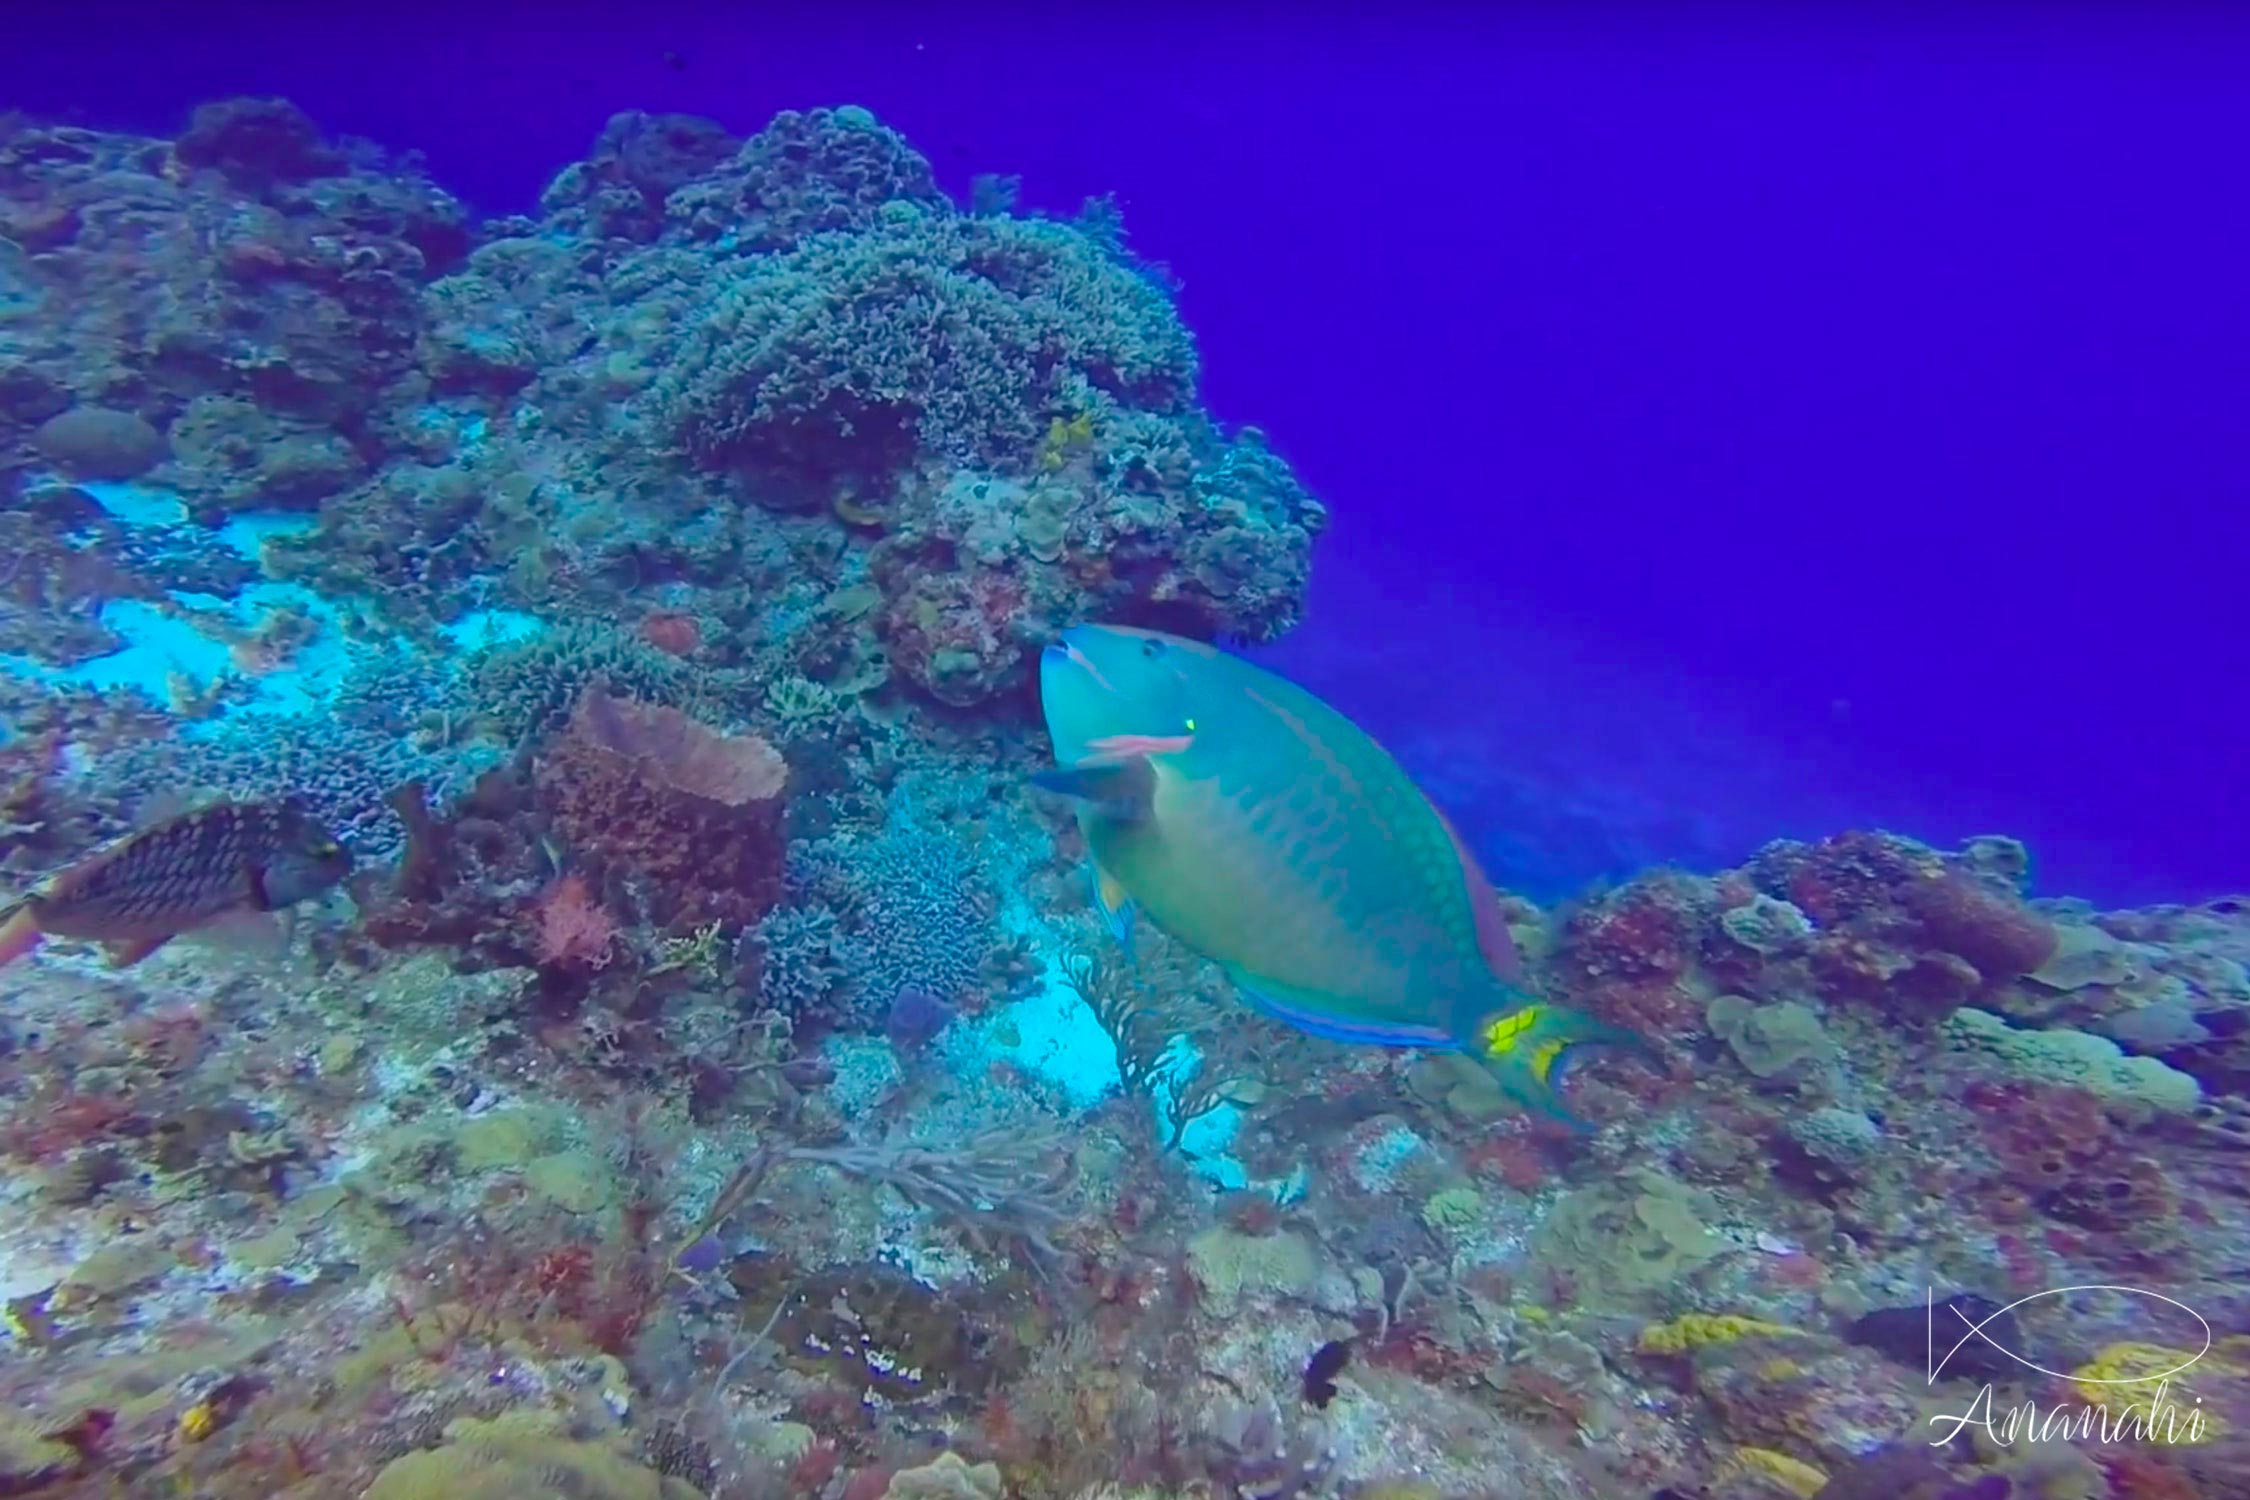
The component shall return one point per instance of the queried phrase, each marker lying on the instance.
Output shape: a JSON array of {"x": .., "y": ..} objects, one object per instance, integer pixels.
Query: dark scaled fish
[
  {"x": 1321, "y": 1370},
  {"x": 186, "y": 872}
]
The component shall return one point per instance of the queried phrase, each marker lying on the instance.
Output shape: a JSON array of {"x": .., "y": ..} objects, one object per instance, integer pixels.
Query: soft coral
[{"x": 571, "y": 929}]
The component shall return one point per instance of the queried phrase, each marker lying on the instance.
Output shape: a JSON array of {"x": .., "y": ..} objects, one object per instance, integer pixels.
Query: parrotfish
[
  {"x": 187, "y": 872},
  {"x": 1260, "y": 827}
]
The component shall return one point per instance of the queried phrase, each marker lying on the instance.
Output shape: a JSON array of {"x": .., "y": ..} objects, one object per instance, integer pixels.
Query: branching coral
[
  {"x": 914, "y": 909},
  {"x": 928, "y": 333},
  {"x": 344, "y": 773},
  {"x": 1138, "y": 1006},
  {"x": 523, "y": 688},
  {"x": 796, "y": 958}
]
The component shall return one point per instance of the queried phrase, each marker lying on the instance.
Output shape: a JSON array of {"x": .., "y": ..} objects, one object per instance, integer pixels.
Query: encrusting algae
[{"x": 1693, "y": 1331}]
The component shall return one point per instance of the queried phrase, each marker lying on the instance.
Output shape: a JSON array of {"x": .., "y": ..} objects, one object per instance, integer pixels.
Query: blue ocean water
[{"x": 1737, "y": 424}]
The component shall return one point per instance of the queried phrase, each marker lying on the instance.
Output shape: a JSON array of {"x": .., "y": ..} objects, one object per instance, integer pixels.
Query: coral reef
[{"x": 710, "y": 1081}]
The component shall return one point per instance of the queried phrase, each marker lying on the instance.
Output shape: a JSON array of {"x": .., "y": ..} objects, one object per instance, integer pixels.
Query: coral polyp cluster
[{"x": 710, "y": 1080}]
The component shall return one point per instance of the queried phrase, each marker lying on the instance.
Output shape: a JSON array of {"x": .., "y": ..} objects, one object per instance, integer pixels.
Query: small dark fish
[
  {"x": 1920, "y": 1336},
  {"x": 1327, "y": 1363},
  {"x": 178, "y": 875},
  {"x": 675, "y": 62}
]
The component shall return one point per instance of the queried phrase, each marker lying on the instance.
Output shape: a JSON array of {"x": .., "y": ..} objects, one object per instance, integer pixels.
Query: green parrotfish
[{"x": 1257, "y": 825}]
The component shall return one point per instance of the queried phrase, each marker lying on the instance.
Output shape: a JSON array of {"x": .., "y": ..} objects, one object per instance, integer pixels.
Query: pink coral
[
  {"x": 571, "y": 929},
  {"x": 1643, "y": 931},
  {"x": 1901, "y": 923},
  {"x": 672, "y": 632}
]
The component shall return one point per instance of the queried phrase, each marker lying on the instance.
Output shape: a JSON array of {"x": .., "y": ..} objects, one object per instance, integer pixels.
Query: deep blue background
[{"x": 1736, "y": 425}]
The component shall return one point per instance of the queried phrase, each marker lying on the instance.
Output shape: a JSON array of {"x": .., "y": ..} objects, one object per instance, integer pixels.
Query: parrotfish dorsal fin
[{"x": 1123, "y": 789}]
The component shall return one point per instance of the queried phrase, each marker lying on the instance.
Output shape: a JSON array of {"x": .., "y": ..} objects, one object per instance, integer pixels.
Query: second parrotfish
[{"x": 1257, "y": 825}]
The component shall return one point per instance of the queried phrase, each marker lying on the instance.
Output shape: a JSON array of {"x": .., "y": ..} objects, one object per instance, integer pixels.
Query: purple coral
[
  {"x": 916, "y": 1018},
  {"x": 255, "y": 142}
]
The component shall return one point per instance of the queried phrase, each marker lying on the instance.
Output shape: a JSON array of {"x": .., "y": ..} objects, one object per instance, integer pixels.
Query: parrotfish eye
[{"x": 1152, "y": 649}]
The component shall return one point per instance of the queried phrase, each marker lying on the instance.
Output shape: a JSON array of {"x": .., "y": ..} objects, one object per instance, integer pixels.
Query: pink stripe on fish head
[
  {"x": 1085, "y": 663},
  {"x": 1121, "y": 746},
  {"x": 1493, "y": 939}
]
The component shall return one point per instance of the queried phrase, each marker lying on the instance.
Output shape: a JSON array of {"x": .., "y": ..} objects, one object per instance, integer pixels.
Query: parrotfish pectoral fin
[
  {"x": 1525, "y": 1051},
  {"x": 1120, "y": 789},
  {"x": 1115, "y": 906},
  {"x": 19, "y": 935}
]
